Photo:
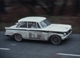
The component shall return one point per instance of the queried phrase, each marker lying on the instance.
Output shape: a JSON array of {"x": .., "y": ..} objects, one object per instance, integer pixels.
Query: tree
[
  {"x": 2, "y": 7},
  {"x": 30, "y": 4},
  {"x": 76, "y": 7},
  {"x": 50, "y": 4},
  {"x": 63, "y": 7}
]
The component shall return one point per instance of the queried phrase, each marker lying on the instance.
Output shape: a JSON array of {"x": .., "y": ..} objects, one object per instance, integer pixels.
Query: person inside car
[{"x": 33, "y": 25}]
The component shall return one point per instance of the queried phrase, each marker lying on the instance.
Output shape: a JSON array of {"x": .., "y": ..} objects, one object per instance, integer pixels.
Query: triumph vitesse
[{"x": 38, "y": 28}]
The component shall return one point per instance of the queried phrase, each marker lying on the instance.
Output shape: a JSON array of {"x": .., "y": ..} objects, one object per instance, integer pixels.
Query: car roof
[{"x": 32, "y": 19}]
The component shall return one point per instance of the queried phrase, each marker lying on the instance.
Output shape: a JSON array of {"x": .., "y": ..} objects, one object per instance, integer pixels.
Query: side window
[
  {"x": 22, "y": 25},
  {"x": 33, "y": 25}
]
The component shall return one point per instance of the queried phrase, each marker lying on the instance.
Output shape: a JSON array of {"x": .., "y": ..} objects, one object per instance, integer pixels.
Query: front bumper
[{"x": 65, "y": 37}]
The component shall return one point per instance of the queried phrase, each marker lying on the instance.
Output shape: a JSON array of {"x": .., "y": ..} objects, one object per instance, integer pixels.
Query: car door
[
  {"x": 21, "y": 28},
  {"x": 34, "y": 32}
]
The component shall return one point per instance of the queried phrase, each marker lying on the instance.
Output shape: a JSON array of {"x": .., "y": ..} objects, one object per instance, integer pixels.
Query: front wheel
[
  {"x": 56, "y": 40},
  {"x": 18, "y": 37}
]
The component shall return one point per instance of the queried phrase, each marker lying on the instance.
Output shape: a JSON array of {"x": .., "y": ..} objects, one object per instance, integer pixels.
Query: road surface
[{"x": 69, "y": 48}]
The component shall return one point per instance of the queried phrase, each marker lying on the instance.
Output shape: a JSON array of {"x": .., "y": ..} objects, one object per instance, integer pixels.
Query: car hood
[{"x": 58, "y": 27}]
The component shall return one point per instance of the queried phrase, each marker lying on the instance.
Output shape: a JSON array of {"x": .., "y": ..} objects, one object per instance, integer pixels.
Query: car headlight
[{"x": 64, "y": 34}]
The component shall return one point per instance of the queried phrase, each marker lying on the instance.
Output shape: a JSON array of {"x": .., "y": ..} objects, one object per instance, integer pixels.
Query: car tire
[
  {"x": 56, "y": 40},
  {"x": 18, "y": 37}
]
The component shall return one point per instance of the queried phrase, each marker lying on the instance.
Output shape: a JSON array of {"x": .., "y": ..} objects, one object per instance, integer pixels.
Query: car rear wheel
[
  {"x": 18, "y": 37},
  {"x": 56, "y": 40}
]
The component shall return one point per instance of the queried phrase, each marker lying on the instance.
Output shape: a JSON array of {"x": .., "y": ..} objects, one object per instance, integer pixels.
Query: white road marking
[
  {"x": 4, "y": 49},
  {"x": 13, "y": 44},
  {"x": 64, "y": 54}
]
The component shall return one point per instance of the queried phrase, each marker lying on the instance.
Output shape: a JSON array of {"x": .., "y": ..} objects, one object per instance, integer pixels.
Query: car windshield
[{"x": 45, "y": 23}]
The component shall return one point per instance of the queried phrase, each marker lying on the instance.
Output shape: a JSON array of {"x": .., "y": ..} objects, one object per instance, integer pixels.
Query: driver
[{"x": 33, "y": 25}]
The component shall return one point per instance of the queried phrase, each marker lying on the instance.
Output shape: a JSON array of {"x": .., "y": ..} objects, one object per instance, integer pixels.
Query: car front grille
[{"x": 68, "y": 31}]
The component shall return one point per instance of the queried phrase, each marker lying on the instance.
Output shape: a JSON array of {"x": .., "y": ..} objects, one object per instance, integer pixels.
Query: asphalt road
[{"x": 69, "y": 48}]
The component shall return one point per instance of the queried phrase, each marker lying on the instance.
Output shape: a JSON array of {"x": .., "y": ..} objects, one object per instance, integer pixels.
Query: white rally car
[{"x": 38, "y": 28}]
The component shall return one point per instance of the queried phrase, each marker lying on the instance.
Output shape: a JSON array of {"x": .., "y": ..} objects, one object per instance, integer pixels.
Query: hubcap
[
  {"x": 55, "y": 40},
  {"x": 18, "y": 37}
]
